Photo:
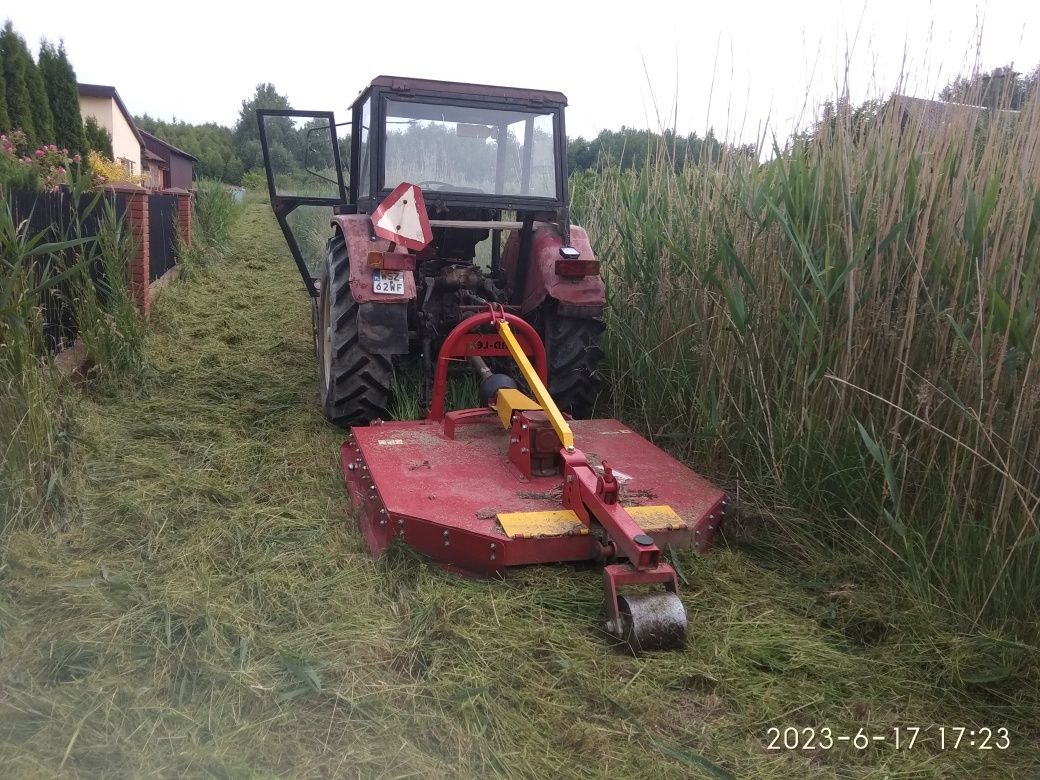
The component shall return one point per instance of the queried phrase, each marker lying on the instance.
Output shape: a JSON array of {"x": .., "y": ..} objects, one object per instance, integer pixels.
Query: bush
[
  {"x": 22, "y": 167},
  {"x": 105, "y": 171},
  {"x": 255, "y": 180},
  {"x": 215, "y": 211},
  {"x": 110, "y": 324}
]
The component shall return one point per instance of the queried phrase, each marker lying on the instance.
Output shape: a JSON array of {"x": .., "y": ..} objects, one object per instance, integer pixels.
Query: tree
[
  {"x": 1000, "y": 88},
  {"x": 5, "y": 120},
  {"x": 40, "y": 105},
  {"x": 96, "y": 138},
  {"x": 14, "y": 66},
  {"x": 1030, "y": 82},
  {"x": 246, "y": 135},
  {"x": 210, "y": 143},
  {"x": 63, "y": 95},
  {"x": 631, "y": 148}
]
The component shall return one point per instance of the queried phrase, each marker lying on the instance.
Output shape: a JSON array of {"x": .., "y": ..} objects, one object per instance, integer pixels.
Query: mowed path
[{"x": 205, "y": 608}]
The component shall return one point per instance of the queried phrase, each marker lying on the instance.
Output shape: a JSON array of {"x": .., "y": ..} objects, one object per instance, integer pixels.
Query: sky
[{"x": 745, "y": 69}]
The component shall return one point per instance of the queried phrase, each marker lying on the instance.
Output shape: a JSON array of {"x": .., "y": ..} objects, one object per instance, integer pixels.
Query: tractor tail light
[
  {"x": 577, "y": 268},
  {"x": 391, "y": 261}
]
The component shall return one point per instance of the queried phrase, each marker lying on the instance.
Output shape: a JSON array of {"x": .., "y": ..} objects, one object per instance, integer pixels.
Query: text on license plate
[{"x": 388, "y": 282}]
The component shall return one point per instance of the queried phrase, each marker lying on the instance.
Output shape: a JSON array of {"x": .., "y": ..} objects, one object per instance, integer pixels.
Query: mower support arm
[{"x": 585, "y": 493}]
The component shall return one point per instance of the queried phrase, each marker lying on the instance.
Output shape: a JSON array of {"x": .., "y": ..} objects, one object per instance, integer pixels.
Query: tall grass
[
  {"x": 850, "y": 327},
  {"x": 214, "y": 212},
  {"x": 33, "y": 424},
  {"x": 90, "y": 272},
  {"x": 110, "y": 325}
]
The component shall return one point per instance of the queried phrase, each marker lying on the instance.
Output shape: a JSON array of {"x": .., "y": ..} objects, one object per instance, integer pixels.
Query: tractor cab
[
  {"x": 478, "y": 152},
  {"x": 465, "y": 145}
]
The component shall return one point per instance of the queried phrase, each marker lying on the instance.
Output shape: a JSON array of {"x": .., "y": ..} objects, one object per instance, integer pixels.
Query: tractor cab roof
[{"x": 405, "y": 85}]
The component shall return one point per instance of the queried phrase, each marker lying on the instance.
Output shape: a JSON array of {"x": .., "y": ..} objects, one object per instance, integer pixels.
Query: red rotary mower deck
[
  {"x": 517, "y": 483},
  {"x": 443, "y": 495}
]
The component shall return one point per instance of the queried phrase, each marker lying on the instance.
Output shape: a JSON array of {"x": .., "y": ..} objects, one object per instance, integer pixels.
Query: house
[
  {"x": 168, "y": 166},
  {"x": 107, "y": 108},
  {"x": 935, "y": 115}
]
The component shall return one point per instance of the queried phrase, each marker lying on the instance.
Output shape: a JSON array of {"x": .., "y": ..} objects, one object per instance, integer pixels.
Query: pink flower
[
  {"x": 40, "y": 153},
  {"x": 77, "y": 158},
  {"x": 53, "y": 148},
  {"x": 61, "y": 170}
]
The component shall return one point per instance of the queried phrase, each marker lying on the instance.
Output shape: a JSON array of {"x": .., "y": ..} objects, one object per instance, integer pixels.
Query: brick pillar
[
  {"x": 136, "y": 220},
  {"x": 183, "y": 213}
]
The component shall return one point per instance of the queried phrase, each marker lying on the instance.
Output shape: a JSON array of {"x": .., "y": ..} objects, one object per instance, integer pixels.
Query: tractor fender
[
  {"x": 542, "y": 279},
  {"x": 356, "y": 231},
  {"x": 382, "y": 319}
]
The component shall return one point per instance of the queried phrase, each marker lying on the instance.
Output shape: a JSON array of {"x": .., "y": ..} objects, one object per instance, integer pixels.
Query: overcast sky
[{"x": 735, "y": 66}]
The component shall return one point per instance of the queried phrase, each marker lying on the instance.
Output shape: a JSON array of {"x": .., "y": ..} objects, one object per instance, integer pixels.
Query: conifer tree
[
  {"x": 96, "y": 138},
  {"x": 63, "y": 95},
  {"x": 5, "y": 120},
  {"x": 43, "y": 120},
  {"x": 16, "y": 82}
]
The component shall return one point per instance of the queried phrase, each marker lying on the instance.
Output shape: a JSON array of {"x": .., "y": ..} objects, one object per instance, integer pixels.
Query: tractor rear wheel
[
  {"x": 355, "y": 384},
  {"x": 574, "y": 354}
]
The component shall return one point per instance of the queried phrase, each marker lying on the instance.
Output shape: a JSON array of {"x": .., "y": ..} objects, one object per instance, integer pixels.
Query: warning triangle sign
[{"x": 402, "y": 218}]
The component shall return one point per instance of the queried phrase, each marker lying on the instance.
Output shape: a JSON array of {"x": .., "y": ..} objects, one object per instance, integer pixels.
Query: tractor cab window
[
  {"x": 445, "y": 148},
  {"x": 300, "y": 154},
  {"x": 363, "y": 164}
]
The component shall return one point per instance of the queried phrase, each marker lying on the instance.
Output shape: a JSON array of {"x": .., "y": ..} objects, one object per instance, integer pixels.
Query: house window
[{"x": 128, "y": 165}]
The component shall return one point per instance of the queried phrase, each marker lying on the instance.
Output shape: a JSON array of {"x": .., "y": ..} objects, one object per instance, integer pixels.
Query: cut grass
[{"x": 207, "y": 609}]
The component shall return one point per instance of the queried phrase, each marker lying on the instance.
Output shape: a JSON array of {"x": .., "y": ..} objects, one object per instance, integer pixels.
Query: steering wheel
[{"x": 422, "y": 185}]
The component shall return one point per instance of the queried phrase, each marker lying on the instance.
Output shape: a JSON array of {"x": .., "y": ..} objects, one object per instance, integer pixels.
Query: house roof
[
  {"x": 149, "y": 154},
  {"x": 935, "y": 114},
  {"x": 104, "y": 91},
  {"x": 169, "y": 146}
]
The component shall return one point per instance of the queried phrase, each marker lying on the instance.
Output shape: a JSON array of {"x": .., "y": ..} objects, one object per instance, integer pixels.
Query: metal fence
[
  {"x": 59, "y": 215},
  {"x": 162, "y": 234}
]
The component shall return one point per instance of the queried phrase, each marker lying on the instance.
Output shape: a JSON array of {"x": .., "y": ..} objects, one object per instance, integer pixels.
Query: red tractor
[
  {"x": 490, "y": 161},
  {"x": 416, "y": 274}
]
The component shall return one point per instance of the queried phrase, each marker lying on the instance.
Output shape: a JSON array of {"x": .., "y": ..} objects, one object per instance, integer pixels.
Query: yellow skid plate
[
  {"x": 556, "y": 522},
  {"x": 563, "y": 522},
  {"x": 656, "y": 518}
]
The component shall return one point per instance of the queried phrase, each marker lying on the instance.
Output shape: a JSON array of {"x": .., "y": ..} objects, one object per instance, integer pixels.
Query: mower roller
[{"x": 452, "y": 250}]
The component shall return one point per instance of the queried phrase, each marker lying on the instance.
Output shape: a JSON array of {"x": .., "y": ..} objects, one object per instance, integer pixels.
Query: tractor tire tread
[
  {"x": 358, "y": 390},
  {"x": 572, "y": 345}
]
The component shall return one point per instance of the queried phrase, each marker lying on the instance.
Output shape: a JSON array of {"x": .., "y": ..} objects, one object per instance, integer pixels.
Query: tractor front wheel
[{"x": 355, "y": 384}]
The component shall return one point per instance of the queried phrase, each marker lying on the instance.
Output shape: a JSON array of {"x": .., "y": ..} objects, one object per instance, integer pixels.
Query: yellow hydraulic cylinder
[{"x": 563, "y": 430}]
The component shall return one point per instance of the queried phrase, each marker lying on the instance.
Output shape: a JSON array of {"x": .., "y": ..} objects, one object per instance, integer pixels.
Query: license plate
[{"x": 388, "y": 282}]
